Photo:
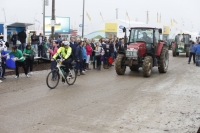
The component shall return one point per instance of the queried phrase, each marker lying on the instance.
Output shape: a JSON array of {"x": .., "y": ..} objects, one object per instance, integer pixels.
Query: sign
[
  {"x": 110, "y": 27},
  {"x": 61, "y": 24},
  {"x": 166, "y": 30}
]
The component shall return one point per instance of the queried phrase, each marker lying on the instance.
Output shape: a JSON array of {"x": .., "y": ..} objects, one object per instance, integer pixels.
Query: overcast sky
[{"x": 27, "y": 10}]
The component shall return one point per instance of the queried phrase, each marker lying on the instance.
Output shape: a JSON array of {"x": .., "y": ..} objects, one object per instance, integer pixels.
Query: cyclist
[{"x": 66, "y": 53}]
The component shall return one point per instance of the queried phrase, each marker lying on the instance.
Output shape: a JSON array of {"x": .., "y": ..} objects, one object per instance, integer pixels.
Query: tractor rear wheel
[
  {"x": 164, "y": 61},
  {"x": 120, "y": 64},
  {"x": 187, "y": 51},
  {"x": 134, "y": 68},
  {"x": 147, "y": 66}
]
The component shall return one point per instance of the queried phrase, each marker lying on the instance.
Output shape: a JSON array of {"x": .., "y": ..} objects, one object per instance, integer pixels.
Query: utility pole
[
  {"x": 83, "y": 18},
  {"x": 43, "y": 17},
  {"x": 116, "y": 13},
  {"x": 53, "y": 19}
]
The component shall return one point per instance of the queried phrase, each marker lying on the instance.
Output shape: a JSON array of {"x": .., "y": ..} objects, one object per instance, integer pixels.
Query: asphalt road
[{"x": 103, "y": 102}]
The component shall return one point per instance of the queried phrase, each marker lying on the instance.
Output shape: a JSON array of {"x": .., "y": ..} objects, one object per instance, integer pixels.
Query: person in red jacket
[{"x": 89, "y": 53}]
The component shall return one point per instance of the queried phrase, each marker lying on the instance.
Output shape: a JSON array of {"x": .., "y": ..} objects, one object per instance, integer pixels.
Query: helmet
[{"x": 66, "y": 43}]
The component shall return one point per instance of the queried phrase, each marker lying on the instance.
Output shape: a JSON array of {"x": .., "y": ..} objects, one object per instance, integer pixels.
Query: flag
[
  {"x": 147, "y": 17},
  {"x": 127, "y": 16},
  {"x": 172, "y": 23},
  {"x": 175, "y": 21},
  {"x": 157, "y": 18},
  {"x": 101, "y": 16},
  {"x": 88, "y": 16},
  {"x": 160, "y": 18}
]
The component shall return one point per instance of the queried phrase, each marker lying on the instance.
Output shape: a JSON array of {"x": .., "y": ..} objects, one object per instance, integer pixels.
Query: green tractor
[{"x": 181, "y": 45}]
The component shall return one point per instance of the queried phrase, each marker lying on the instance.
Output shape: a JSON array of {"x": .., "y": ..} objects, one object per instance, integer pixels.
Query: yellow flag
[
  {"x": 175, "y": 21},
  {"x": 101, "y": 16},
  {"x": 127, "y": 16},
  {"x": 88, "y": 16}
]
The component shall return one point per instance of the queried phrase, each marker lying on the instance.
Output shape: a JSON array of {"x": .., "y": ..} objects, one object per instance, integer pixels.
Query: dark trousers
[
  {"x": 53, "y": 66},
  {"x": 98, "y": 60},
  {"x": 84, "y": 64},
  {"x": 192, "y": 54},
  {"x": 3, "y": 65},
  {"x": 40, "y": 51},
  {"x": 17, "y": 64},
  {"x": 79, "y": 66},
  {"x": 67, "y": 63},
  {"x": 29, "y": 64}
]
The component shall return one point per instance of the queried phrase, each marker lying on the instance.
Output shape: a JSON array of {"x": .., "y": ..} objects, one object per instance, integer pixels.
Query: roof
[
  {"x": 19, "y": 24},
  {"x": 148, "y": 26},
  {"x": 145, "y": 27}
]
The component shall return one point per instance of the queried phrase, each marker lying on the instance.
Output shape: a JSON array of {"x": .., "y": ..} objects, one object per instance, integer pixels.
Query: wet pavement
[{"x": 103, "y": 102}]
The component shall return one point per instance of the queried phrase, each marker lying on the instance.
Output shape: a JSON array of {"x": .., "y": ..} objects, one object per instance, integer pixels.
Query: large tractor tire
[
  {"x": 174, "y": 52},
  {"x": 164, "y": 61},
  {"x": 120, "y": 64},
  {"x": 134, "y": 68},
  {"x": 147, "y": 66},
  {"x": 187, "y": 51}
]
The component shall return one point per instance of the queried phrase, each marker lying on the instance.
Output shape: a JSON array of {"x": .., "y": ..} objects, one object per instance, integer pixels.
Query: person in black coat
[
  {"x": 121, "y": 46},
  {"x": 79, "y": 58},
  {"x": 22, "y": 38},
  {"x": 73, "y": 45}
]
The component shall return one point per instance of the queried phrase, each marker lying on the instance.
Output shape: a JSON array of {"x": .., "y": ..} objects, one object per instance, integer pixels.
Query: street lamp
[{"x": 83, "y": 18}]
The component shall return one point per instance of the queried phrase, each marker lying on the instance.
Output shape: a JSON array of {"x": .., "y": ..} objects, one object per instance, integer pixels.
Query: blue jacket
[
  {"x": 73, "y": 46},
  {"x": 3, "y": 58},
  {"x": 192, "y": 48},
  {"x": 84, "y": 53},
  {"x": 79, "y": 54},
  {"x": 197, "y": 49}
]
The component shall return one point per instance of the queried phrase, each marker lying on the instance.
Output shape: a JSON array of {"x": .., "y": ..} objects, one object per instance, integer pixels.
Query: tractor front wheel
[
  {"x": 174, "y": 52},
  {"x": 120, "y": 64},
  {"x": 187, "y": 51},
  {"x": 147, "y": 66},
  {"x": 164, "y": 61}
]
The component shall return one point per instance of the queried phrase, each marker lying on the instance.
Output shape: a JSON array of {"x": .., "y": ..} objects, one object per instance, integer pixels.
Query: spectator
[
  {"x": 98, "y": 55},
  {"x": 28, "y": 53},
  {"x": 84, "y": 56},
  {"x": 192, "y": 52},
  {"x": 89, "y": 53},
  {"x": 19, "y": 60},
  {"x": 73, "y": 45},
  {"x": 93, "y": 53},
  {"x": 34, "y": 42},
  {"x": 14, "y": 38},
  {"x": 106, "y": 55},
  {"x": 40, "y": 46},
  {"x": 111, "y": 50},
  {"x": 45, "y": 47},
  {"x": 79, "y": 58},
  {"x": 3, "y": 63},
  {"x": 121, "y": 46},
  {"x": 197, "y": 52},
  {"x": 59, "y": 39},
  {"x": 22, "y": 38}
]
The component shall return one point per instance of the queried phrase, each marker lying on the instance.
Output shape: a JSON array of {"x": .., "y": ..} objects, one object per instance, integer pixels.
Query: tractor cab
[{"x": 147, "y": 38}]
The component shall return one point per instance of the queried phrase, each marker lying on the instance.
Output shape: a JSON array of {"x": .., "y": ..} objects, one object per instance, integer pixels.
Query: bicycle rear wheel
[
  {"x": 52, "y": 79},
  {"x": 71, "y": 77}
]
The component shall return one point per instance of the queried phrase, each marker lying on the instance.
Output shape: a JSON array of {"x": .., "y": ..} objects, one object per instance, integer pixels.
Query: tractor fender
[{"x": 159, "y": 48}]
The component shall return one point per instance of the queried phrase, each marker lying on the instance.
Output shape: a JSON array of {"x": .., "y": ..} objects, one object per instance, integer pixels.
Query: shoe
[
  {"x": 82, "y": 73},
  {"x": 27, "y": 76},
  {"x": 78, "y": 74},
  {"x": 188, "y": 62},
  {"x": 16, "y": 77},
  {"x": 31, "y": 73},
  {"x": 0, "y": 81}
]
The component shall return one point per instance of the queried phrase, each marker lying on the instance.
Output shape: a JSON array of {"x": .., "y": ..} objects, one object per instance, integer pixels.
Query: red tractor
[{"x": 144, "y": 49}]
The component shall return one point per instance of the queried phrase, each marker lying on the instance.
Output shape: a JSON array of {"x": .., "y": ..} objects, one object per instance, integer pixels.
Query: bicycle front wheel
[
  {"x": 71, "y": 77},
  {"x": 52, "y": 79}
]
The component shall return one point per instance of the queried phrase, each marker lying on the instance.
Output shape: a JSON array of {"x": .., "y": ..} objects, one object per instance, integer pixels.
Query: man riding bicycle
[{"x": 66, "y": 53}]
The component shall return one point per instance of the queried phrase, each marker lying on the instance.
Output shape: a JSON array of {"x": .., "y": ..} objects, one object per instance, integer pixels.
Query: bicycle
[{"x": 54, "y": 76}]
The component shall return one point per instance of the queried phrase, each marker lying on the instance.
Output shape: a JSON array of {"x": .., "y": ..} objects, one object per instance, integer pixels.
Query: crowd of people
[{"x": 82, "y": 51}]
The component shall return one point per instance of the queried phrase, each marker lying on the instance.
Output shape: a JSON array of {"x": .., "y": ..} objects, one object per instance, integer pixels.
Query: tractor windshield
[
  {"x": 141, "y": 34},
  {"x": 185, "y": 38}
]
